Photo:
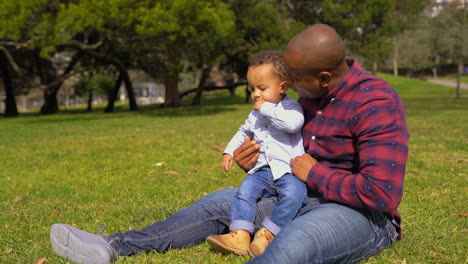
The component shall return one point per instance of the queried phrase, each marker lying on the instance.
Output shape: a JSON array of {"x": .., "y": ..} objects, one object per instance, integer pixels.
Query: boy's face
[{"x": 265, "y": 85}]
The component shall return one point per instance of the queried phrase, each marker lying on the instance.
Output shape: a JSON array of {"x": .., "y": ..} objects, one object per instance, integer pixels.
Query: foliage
[
  {"x": 259, "y": 26},
  {"x": 69, "y": 168},
  {"x": 98, "y": 84},
  {"x": 367, "y": 26}
]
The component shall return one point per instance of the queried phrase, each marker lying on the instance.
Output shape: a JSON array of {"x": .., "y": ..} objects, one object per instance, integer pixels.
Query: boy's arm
[
  {"x": 287, "y": 116},
  {"x": 245, "y": 130}
]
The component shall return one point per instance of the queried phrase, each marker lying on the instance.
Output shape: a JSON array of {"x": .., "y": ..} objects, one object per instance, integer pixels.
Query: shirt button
[
  {"x": 266, "y": 126},
  {"x": 333, "y": 99},
  {"x": 319, "y": 112},
  {"x": 313, "y": 137},
  {"x": 269, "y": 159}
]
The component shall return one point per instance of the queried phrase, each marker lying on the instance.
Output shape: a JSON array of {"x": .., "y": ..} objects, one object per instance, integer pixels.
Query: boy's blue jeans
[
  {"x": 322, "y": 232},
  {"x": 291, "y": 193}
]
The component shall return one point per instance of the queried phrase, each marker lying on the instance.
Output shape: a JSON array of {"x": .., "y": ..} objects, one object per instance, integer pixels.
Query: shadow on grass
[{"x": 212, "y": 103}]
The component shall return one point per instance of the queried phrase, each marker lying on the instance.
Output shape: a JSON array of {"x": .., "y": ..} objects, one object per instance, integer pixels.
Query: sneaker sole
[
  {"x": 215, "y": 244},
  {"x": 66, "y": 242}
]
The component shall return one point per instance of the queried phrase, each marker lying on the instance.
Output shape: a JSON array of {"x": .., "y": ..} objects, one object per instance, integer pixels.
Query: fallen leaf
[
  {"x": 460, "y": 160},
  {"x": 171, "y": 172},
  {"x": 159, "y": 164},
  {"x": 9, "y": 250},
  {"x": 41, "y": 261},
  {"x": 217, "y": 147},
  {"x": 17, "y": 199},
  {"x": 463, "y": 213},
  {"x": 212, "y": 134},
  {"x": 57, "y": 213}
]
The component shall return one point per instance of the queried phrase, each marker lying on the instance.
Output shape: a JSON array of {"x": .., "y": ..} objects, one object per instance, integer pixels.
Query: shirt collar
[{"x": 344, "y": 83}]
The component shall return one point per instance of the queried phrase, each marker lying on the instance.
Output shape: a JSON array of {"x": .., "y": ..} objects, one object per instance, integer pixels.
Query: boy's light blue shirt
[{"x": 278, "y": 129}]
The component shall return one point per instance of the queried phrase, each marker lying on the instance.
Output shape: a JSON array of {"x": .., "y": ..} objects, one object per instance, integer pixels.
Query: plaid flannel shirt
[{"x": 358, "y": 134}]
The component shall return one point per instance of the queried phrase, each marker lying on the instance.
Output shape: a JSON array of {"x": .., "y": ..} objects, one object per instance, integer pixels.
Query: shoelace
[{"x": 101, "y": 229}]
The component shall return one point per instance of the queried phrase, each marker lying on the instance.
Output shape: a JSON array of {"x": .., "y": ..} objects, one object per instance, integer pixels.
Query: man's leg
[
  {"x": 191, "y": 225},
  {"x": 330, "y": 233}
]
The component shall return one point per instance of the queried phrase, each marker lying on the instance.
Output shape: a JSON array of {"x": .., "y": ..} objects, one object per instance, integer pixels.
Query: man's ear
[
  {"x": 284, "y": 87},
  {"x": 325, "y": 78}
]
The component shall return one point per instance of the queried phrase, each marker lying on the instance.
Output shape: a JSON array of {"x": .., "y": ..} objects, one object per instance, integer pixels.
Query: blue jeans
[
  {"x": 323, "y": 232},
  {"x": 291, "y": 193}
]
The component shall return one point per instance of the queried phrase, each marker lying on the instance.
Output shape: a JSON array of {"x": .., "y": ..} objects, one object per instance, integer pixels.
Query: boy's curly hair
[{"x": 271, "y": 57}]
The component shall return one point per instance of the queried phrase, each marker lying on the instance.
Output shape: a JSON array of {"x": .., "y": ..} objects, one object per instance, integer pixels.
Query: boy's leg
[
  {"x": 292, "y": 196},
  {"x": 330, "y": 233},
  {"x": 243, "y": 210},
  {"x": 245, "y": 201}
]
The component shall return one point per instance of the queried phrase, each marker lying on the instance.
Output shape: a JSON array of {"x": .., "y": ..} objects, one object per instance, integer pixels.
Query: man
[{"x": 355, "y": 139}]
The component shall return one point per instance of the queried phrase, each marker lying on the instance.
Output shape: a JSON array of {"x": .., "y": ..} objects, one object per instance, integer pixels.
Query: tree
[
  {"x": 268, "y": 31},
  {"x": 366, "y": 26},
  {"x": 179, "y": 31},
  {"x": 450, "y": 30},
  {"x": 405, "y": 16},
  {"x": 10, "y": 101}
]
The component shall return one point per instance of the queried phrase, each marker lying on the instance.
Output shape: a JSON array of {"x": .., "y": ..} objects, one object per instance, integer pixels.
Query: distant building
[{"x": 148, "y": 93}]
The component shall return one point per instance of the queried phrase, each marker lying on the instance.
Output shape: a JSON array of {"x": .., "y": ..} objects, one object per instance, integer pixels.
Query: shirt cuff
[{"x": 267, "y": 108}]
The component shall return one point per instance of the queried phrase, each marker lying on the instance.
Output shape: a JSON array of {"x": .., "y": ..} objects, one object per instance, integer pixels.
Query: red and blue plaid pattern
[{"x": 359, "y": 137}]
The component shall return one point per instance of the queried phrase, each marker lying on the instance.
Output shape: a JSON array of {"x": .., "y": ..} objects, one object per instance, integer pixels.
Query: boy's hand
[
  {"x": 227, "y": 162},
  {"x": 247, "y": 154},
  {"x": 258, "y": 104},
  {"x": 302, "y": 165}
]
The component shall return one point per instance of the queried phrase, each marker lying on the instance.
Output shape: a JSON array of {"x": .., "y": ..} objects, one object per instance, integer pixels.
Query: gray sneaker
[{"x": 80, "y": 246}]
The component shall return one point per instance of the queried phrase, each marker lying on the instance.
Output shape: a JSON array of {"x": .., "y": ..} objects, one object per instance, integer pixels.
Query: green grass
[
  {"x": 453, "y": 78},
  {"x": 89, "y": 168}
]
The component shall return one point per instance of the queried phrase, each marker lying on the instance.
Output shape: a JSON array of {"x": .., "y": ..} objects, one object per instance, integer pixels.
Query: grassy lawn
[
  {"x": 453, "y": 78},
  {"x": 129, "y": 169}
]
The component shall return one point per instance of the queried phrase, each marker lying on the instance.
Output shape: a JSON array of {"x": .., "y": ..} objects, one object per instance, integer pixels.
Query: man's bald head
[{"x": 317, "y": 48}]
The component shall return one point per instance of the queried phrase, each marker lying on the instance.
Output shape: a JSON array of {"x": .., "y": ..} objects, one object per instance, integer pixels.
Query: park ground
[{"x": 129, "y": 169}]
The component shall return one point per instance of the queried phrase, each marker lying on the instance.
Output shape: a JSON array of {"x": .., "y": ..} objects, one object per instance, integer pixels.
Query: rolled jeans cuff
[
  {"x": 272, "y": 227},
  {"x": 243, "y": 225}
]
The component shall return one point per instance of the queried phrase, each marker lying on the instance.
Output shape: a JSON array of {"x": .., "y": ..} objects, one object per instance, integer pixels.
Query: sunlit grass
[{"x": 129, "y": 169}]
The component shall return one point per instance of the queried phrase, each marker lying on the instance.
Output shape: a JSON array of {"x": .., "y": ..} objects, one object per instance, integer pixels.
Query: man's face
[{"x": 305, "y": 84}]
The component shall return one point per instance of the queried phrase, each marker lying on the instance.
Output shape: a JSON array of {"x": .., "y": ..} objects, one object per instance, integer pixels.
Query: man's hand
[
  {"x": 302, "y": 165},
  {"x": 227, "y": 162},
  {"x": 247, "y": 154}
]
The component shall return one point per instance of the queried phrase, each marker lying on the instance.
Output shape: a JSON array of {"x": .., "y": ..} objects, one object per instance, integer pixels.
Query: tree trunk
[
  {"x": 172, "y": 90},
  {"x": 395, "y": 58},
  {"x": 129, "y": 88},
  {"x": 120, "y": 67},
  {"x": 50, "y": 105},
  {"x": 201, "y": 85},
  {"x": 90, "y": 101},
  {"x": 113, "y": 95},
  {"x": 434, "y": 69},
  {"x": 374, "y": 68},
  {"x": 10, "y": 102},
  {"x": 460, "y": 67}
]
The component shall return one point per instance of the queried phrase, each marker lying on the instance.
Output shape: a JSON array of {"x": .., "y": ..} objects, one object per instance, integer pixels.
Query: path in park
[{"x": 448, "y": 83}]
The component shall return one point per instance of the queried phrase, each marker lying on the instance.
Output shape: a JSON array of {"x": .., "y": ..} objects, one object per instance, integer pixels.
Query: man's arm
[{"x": 382, "y": 138}]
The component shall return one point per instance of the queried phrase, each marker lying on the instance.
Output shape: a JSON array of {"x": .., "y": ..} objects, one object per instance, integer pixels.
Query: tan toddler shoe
[
  {"x": 262, "y": 239},
  {"x": 237, "y": 242}
]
